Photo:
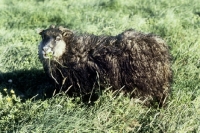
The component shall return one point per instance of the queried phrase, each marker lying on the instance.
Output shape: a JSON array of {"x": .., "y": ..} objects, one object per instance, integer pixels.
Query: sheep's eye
[{"x": 58, "y": 38}]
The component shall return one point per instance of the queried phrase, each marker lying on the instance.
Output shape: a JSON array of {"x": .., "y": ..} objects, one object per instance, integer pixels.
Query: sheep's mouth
[{"x": 48, "y": 55}]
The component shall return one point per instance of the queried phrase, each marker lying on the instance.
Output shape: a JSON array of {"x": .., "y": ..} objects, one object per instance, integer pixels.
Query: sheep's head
[{"x": 53, "y": 44}]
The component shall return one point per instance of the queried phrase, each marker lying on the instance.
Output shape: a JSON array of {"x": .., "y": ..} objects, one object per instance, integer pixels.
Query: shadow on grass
[
  {"x": 32, "y": 84},
  {"x": 27, "y": 84}
]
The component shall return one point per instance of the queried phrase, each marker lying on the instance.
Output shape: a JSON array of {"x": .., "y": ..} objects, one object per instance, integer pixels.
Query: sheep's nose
[{"x": 45, "y": 49}]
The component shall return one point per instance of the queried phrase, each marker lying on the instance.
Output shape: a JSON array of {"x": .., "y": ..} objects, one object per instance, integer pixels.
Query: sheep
[{"x": 136, "y": 63}]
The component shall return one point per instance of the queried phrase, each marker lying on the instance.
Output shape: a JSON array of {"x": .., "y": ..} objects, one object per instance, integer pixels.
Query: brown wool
[{"x": 136, "y": 62}]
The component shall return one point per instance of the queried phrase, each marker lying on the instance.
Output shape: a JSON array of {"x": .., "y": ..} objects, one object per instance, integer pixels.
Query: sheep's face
[{"x": 52, "y": 45}]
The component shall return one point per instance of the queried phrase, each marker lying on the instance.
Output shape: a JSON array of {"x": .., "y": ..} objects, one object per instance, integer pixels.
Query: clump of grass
[{"x": 119, "y": 114}]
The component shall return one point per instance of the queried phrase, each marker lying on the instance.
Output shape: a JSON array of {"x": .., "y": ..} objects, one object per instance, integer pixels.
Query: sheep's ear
[
  {"x": 52, "y": 26},
  {"x": 39, "y": 31},
  {"x": 65, "y": 32}
]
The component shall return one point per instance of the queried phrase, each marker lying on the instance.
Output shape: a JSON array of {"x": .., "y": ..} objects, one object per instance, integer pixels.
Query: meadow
[{"x": 24, "y": 102}]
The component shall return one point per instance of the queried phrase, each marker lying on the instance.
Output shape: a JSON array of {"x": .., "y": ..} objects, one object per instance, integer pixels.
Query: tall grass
[{"x": 24, "y": 86}]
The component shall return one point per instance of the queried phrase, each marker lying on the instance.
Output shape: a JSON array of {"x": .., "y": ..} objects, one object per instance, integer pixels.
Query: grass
[{"x": 24, "y": 86}]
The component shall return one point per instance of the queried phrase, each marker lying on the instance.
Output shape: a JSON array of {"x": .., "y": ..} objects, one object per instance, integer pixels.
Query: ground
[{"x": 23, "y": 84}]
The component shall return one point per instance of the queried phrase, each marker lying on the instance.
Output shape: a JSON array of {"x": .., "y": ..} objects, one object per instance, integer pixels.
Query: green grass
[{"x": 23, "y": 107}]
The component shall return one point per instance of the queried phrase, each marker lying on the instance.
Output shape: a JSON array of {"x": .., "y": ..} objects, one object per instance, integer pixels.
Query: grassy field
[{"x": 24, "y": 86}]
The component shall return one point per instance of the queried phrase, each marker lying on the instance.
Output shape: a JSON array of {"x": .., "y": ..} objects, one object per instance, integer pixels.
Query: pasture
[{"x": 25, "y": 105}]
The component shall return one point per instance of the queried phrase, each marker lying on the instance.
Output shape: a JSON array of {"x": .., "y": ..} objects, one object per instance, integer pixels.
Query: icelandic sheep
[{"x": 132, "y": 61}]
